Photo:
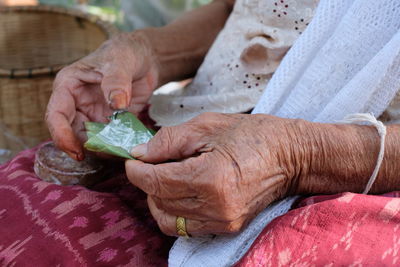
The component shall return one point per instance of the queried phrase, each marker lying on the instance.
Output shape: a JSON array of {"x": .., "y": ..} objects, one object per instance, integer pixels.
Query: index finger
[
  {"x": 61, "y": 109},
  {"x": 59, "y": 116},
  {"x": 173, "y": 180},
  {"x": 63, "y": 135}
]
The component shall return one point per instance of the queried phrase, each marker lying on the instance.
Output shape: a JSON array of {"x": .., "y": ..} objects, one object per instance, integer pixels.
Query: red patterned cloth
[
  {"x": 340, "y": 230},
  {"x": 43, "y": 224}
]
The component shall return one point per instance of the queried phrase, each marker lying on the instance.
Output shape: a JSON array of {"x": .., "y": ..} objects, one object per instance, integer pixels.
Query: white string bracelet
[{"x": 367, "y": 117}]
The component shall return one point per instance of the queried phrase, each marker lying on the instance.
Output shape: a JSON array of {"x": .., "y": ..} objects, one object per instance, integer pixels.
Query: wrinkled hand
[
  {"x": 121, "y": 74},
  {"x": 231, "y": 167}
]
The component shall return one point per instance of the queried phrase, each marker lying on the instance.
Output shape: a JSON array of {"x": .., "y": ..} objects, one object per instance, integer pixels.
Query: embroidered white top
[{"x": 241, "y": 61}]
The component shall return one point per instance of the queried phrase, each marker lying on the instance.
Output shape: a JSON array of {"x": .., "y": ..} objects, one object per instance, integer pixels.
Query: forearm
[
  {"x": 181, "y": 46},
  {"x": 343, "y": 157}
]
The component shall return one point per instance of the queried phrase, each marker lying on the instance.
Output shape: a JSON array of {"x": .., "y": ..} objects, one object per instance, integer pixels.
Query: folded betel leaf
[
  {"x": 93, "y": 128},
  {"x": 117, "y": 137}
]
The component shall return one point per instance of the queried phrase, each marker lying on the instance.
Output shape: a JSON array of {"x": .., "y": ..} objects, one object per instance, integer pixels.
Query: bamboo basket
[{"x": 35, "y": 43}]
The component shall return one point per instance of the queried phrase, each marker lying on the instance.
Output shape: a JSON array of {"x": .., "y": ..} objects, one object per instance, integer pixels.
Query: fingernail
[
  {"x": 118, "y": 99},
  {"x": 80, "y": 156},
  {"x": 139, "y": 151},
  {"x": 75, "y": 155}
]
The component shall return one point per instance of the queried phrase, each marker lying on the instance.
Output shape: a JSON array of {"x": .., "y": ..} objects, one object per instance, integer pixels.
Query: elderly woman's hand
[
  {"x": 124, "y": 71},
  {"x": 121, "y": 74},
  {"x": 227, "y": 169}
]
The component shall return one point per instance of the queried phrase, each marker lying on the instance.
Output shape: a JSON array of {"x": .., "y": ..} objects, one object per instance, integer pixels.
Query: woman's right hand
[
  {"x": 125, "y": 70},
  {"x": 121, "y": 74}
]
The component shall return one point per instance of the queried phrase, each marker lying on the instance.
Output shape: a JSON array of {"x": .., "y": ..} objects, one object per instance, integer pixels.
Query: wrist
[
  {"x": 153, "y": 39},
  {"x": 142, "y": 42},
  {"x": 302, "y": 137},
  {"x": 291, "y": 146},
  {"x": 340, "y": 158},
  {"x": 176, "y": 55}
]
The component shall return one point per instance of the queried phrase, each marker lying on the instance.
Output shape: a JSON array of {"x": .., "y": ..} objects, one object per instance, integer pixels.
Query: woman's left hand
[{"x": 226, "y": 169}]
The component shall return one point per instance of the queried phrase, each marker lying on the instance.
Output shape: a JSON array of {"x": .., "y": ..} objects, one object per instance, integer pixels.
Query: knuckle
[
  {"x": 130, "y": 172},
  {"x": 228, "y": 214},
  {"x": 162, "y": 224},
  {"x": 229, "y": 205},
  {"x": 158, "y": 202},
  {"x": 63, "y": 72},
  {"x": 58, "y": 80},
  {"x": 63, "y": 76},
  {"x": 234, "y": 227},
  {"x": 152, "y": 178},
  {"x": 163, "y": 139}
]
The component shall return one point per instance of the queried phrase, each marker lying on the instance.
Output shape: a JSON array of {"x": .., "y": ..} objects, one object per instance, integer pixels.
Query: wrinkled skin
[
  {"x": 227, "y": 169},
  {"x": 121, "y": 74}
]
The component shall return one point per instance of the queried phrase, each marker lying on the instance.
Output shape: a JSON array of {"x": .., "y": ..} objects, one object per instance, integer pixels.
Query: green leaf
[
  {"x": 93, "y": 128},
  {"x": 118, "y": 137}
]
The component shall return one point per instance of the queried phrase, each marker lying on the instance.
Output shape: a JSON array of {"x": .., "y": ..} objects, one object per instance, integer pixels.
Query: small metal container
[{"x": 55, "y": 166}]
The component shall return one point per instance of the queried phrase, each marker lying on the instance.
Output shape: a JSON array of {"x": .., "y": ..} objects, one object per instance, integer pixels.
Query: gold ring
[{"x": 181, "y": 226}]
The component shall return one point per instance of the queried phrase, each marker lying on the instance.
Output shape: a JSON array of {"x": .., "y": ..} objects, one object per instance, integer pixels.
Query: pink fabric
[
  {"x": 340, "y": 230},
  {"x": 43, "y": 224}
]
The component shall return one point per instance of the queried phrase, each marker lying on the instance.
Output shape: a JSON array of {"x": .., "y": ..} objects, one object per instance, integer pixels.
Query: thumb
[
  {"x": 117, "y": 89},
  {"x": 170, "y": 143}
]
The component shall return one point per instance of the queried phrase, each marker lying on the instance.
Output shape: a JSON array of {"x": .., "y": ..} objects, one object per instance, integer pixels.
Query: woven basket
[{"x": 35, "y": 43}]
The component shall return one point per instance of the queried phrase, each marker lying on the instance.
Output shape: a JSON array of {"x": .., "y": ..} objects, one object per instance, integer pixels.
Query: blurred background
[{"x": 127, "y": 15}]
